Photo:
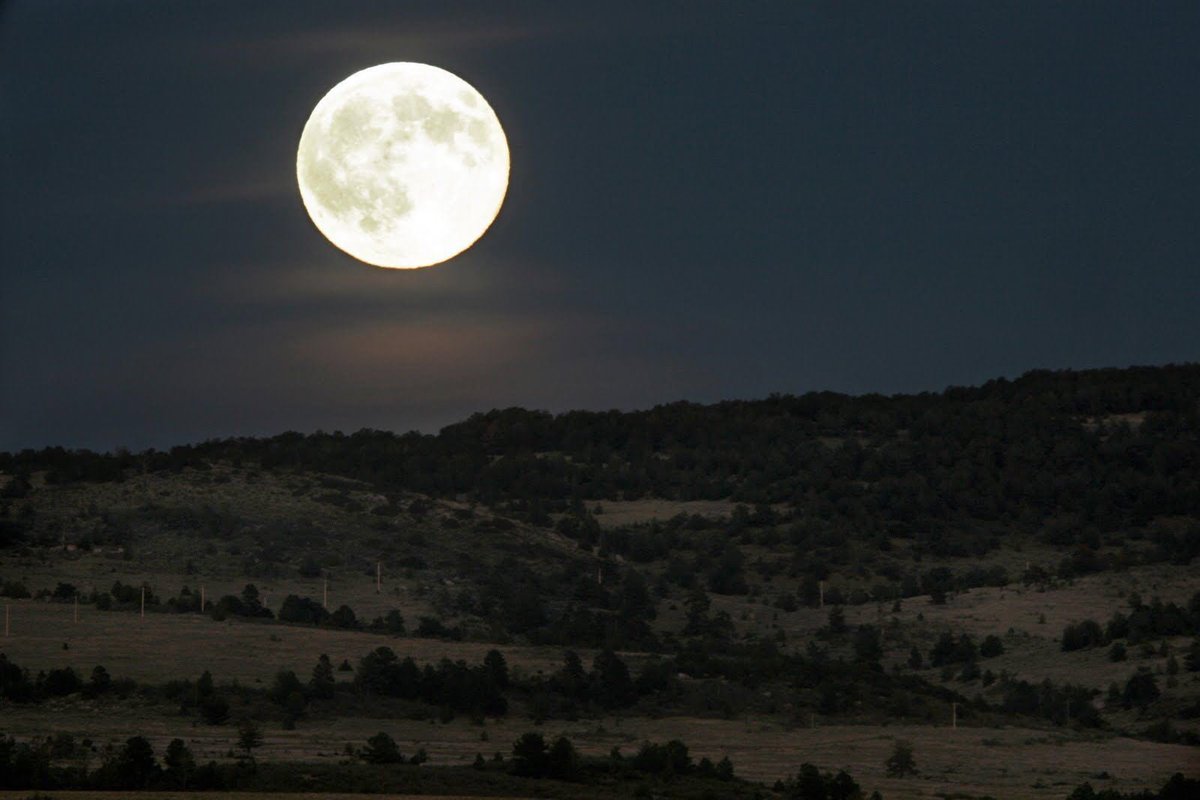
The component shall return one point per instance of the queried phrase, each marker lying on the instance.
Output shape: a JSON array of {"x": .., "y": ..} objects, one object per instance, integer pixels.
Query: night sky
[{"x": 708, "y": 201}]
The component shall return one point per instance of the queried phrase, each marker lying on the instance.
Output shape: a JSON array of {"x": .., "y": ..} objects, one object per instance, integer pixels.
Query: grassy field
[
  {"x": 227, "y": 518},
  {"x": 1007, "y": 762},
  {"x": 89, "y": 571},
  {"x": 1032, "y": 647},
  {"x": 228, "y": 796},
  {"x": 967, "y": 761},
  {"x": 161, "y": 647}
]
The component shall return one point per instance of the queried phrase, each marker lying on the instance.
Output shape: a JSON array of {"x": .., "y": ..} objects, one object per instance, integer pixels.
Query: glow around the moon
[{"x": 403, "y": 165}]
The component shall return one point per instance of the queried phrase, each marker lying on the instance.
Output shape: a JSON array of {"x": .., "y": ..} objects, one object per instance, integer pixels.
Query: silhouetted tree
[
  {"x": 180, "y": 764},
  {"x": 135, "y": 767},
  {"x": 529, "y": 756},
  {"x": 901, "y": 762},
  {"x": 381, "y": 749},
  {"x": 322, "y": 684},
  {"x": 249, "y": 738}
]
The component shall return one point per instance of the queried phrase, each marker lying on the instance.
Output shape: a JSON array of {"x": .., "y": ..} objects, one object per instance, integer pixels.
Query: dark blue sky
[{"x": 708, "y": 201}]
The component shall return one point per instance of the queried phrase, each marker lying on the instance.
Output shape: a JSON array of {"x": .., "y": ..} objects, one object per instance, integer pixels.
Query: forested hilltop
[{"x": 1086, "y": 453}]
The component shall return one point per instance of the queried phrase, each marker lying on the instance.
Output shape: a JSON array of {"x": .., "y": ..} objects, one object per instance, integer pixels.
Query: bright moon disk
[{"x": 403, "y": 165}]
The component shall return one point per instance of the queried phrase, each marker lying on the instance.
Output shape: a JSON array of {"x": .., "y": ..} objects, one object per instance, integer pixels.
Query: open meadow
[
  {"x": 968, "y": 761},
  {"x": 218, "y": 795},
  {"x": 161, "y": 647}
]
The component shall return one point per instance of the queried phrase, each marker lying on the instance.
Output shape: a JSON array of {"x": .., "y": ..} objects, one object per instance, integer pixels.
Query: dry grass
[
  {"x": 163, "y": 647},
  {"x": 123, "y": 795},
  {"x": 990, "y": 610},
  {"x": 90, "y": 571},
  {"x": 1032, "y": 649},
  {"x": 1004, "y": 763},
  {"x": 351, "y": 533}
]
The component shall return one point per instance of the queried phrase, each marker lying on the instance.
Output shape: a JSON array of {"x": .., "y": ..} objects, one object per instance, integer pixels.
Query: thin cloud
[
  {"x": 422, "y": 36},
  {"x": 461, "y": 283}
]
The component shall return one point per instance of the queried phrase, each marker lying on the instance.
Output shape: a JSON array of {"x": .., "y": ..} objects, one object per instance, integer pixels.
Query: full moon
[{"x": 403, "y": 165}]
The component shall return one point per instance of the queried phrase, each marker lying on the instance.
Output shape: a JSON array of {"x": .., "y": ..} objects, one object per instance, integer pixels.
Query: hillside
[{"x": 1017, "y": 556}]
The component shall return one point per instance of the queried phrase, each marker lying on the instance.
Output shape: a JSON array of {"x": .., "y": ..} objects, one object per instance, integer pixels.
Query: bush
[
  {"x": 901, "y": 762},
  {"x": 1140, "y": 690},
  {"x": 663, "y": 759},
  {"x": 951, "y": 650},
  {"x": 811, "y": 783},
  {"x": 393, "y": 623},
  {"x": 101, "y": 681},
  {"x": 562, "y": 762},
  {"x": 1082, "y": 635},
  {"x": 381, "y": 749},
  {"x": 529, "y": 757},
  {"x": 61, "y": 682},
  {"x": 343, "y": 617},
  {"x": 134, "y": 766},
  {"x": 14, "y": 589},
  {"x": 303, "y": 610},
  {"x": 432, "y": 628},
  {"x": 286, "y": 683},
  {"x": 214, "y": 709}
]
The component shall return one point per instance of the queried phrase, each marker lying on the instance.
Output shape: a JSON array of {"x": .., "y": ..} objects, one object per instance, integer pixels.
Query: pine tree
[
  {"x": 322, "y": 684},
  {"x": 180, "y": 763},
  {"x": 249, "y": 738},
  {"x": 496, "y": 668},
  {"x": 901, "y": 762}
]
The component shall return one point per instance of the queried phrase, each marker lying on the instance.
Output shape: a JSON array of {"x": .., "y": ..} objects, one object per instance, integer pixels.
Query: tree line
[{"x": 1085, "y": 452}]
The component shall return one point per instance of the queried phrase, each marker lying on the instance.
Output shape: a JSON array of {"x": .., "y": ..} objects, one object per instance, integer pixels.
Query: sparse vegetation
[{"x": 747, "y": 562}]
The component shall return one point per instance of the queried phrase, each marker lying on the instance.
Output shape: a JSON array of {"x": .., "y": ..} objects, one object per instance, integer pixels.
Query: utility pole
[{"x": 143, "y": 601}]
